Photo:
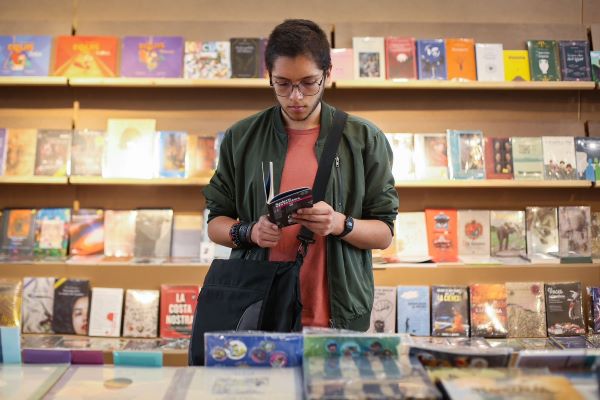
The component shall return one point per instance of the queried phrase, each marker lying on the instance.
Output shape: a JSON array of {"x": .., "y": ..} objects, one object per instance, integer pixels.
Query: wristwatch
[{"x": 348, "y": 226}]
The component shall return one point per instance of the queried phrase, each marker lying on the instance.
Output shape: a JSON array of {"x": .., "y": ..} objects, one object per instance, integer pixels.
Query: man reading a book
[{"x": 361, "y": 202}]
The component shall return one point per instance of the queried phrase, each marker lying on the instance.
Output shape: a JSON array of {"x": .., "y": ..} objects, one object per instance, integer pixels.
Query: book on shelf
[
  {"x": 431, "y": 59},
  {"x": 559, "y": 158},
  {"x": 541, "y": 224},
  {"x": 119, "y": 233},
  {"x": 516, "y": 65},
  {"x": 595, "y": 232},
  {"x": 413, "y": 310},
  {"x": 449, "y": 311},
  {"x": 564, "y": 311},
  {"x": 575, "y": 60},
  {"x": 153, "y": 230},
  {"x": 526, "y": 309},
  {"x": 594, "y": 309},
  {"x": 574, "y": 232},
  {"x": 87, "y": 152},
  {"x": 383, "y": 315},
  {"x": 10, "y": 303},
  {"x": 25, "y": 55},
  {"x": 431, "y": 155},
  {"x": 187, "y": 235},
  {"x": 245, "y": 57},
  {"x": 86, "y": 232},
  {"x": 474, "y": 236},
  {"x": 498, "y": 158},
  {"x": 460, "y": 56},
  {"x": 171, "y": 148},
  {"x": 106, "y": 312},
  {"x": 442, "y": 235},
  {"x": 401, "y": 60},
  {"x": 20, "y": 152},
  {"x": 528, "y": 158},
  {"x": 572, "y": 342},
  {"x": 18, "y": 234},
  {"x": 369, "y": 57},
  {"x": 38, "y": 304},
  {"x": 488, "y": 309},
  {"x": 587, "y": 153},
  {"x": 86, "y": 56},
  {"x": 490, "y": 62},
  {"x": 129, "y": 147},
  {"x": 403, "y": 165},
  {"x": 465, "y": 154},
  {"x": 71, "y": 306},
  {"x": 507, "y": 233},
  {"x": 410, "y": 243},
  {"x": 595, "y": 62},
  {"x": 177, "y": 307},
  {"x": 207, "y": 60},
  {"x": 3, "y": 145},
  {"x": 152, "y": 57},
  {"x": 201, "y": 155},
  {"x": 141, "y": 313},
  {"x": 544, "y": 60},
  {"x": 52, "y": 152},
  {"x": 342, "y": 64},
  {"x": 52, "y": 233}
]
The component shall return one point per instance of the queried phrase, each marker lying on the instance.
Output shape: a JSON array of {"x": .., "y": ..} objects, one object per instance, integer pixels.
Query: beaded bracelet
[
  {"x": 240, "y": 234},
  {"x": 234, "y": 234}
]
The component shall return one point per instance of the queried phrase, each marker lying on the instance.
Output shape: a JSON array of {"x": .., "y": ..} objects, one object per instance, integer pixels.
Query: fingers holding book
[{"x": 265, "y": 233}]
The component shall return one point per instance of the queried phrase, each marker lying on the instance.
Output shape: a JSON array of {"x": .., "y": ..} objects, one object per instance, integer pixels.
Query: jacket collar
[{"x": 326, "y": 122}]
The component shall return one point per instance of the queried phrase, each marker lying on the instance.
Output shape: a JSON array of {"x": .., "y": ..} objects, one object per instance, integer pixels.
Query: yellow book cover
[
  {"x": 516, "y": 65},
  {"x": 20, "y": 157}
]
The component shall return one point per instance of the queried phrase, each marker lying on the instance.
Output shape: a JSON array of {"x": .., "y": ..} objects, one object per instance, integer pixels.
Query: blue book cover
[
  {"x": 431, "y": 56},
  {"x": 52, "y": 232},
  {"x": 152, "y": 56},
  {"x": 595, "y": 309},
  {"x": 413, "y": 310},
  {"x": 171, "y": 148},
  {"x": 2, "y": 149},
  {"x": 466, "y": 159},
  {"x": 25, "y": 55},
  {"x": 587, "y": 154}
]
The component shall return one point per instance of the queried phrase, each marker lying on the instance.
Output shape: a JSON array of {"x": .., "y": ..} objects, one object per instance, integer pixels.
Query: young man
[{"x": 361, "y": 202}]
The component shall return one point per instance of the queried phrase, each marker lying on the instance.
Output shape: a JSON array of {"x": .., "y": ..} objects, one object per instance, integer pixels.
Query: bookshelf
[
  {"x": 33, "y": 81},
  {"x": 93, "y": 180},
  {"x": 451, "y": 85},
  {"x": 170, "y": 82}
]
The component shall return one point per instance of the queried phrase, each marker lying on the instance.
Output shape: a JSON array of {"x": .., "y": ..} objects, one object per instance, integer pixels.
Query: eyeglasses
[{"x": 306, "y": 88}]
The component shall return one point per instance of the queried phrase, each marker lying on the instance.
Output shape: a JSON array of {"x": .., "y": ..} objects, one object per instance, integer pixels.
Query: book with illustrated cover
[
  {"x": 595, "y": 232},
  {"x": 187, "y": 235},
  {"x": 87, "y": 152},
  {"x": 369, "y": 57},
  {"x": 474, "y": 235},
  {"x": 153, "y": 234},
  {"x": 152, "y": 56},
  {"x": 574, "y": 232},
  {"x": 516, "y": 65},
  {"x": 542, "y": 231},
  {"x": 413, "y": 310},
  {"x": 403, "y": 166},
  {"x": 528, "y": 158},
  {"x": 410, "y": 238},
  {"x": 141, "y": 313},
  {"x": 3, "y": 145},
  {"x": 25, "y": 55},
  {"x": 594, "y": 305},
  {"x": 507, "y": 233},
  {"x": 587, "y": 153},
  {"x": 38, "y": 304},
  {"x": 564, "y": 312},
  {"x": 207, "y": 60},
  {"x": 460, "y": 59},
  {"x": 86, "y": 232},
  {"x": 10, "y": 303},
  {"x": 119, "y": 233},
  {"x": 431, "y": 156},
  {"x": 559, "y": 158},
  {"x": 442, "y": 235},
  {"x": 575, "y": 60},
  {"x": 52, "y": 232},
  {"x": 342, "y": 64},
  {"x": 544, "y": 60},
  {"x": 129, "y": 147},
  {"x": 401, "y": 60},
  {"x": 245, "y": 57},
  {"x": 498, "y": 158},
  {"x": 71, "y": 306},
  {"x": 171, "y": 149},
  {"x": 490, "y": 62},
  {"x": 595, "y": 61},
  {"x": 53, "y": 152},
  {"x": 431, "y": 59},
  {"x": 383, "y": 315},
  {"x": 106, "y": 312},
  {"x": 86, "y": 56},
  {"x": 177, "y": 307},
  {"x": 488, "y": 310},
  {"x": 465, "y": 154},
  {"x": 18, "y": 233},
  {"x": 449, "y": 311},
  {"x": 20, "y": 152},
  {"x": 201, "y": 156},
  {"x": 526, "y": 309}
]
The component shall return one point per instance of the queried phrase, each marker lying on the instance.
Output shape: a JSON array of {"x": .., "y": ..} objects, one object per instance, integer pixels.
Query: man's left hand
[{"x": 321, "y": 219}]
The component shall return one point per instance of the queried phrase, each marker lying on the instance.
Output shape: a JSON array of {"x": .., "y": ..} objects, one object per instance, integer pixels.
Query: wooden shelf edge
[
  {"x": 33, "y": 81},
  {"x": 93, "y": 180},
  {"x": 492, "y": 183},
  {"x": 34, "y": 180},
  {"x": 171, "y": 82},
  {"x": 455, "y": 85},
  {"x": 495, "y": 267}
]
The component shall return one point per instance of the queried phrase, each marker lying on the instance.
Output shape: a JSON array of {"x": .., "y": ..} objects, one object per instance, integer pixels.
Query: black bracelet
[
  {"x": 240, "y": 234},
  {"x": 234, "y": 234},
  {"x": 249, "y": 233}
]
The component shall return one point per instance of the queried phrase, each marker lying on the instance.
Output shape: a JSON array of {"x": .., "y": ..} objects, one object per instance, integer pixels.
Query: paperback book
[
  {"x": 53, "y": 152},
  {"x": 10, "y": 304},
  {"x": 460, "y": 55},
  {"x": 410, "y": 238},
  {"x": 498, "y": 158},
  {"x": 564, "y": 312},
  {"x": 442, "y": 235},
  {"x": 595, "y": 231},
  {"x": 507, "y": 231},
  {"x": 490, "y": 62},
  {"x": 369, "y": 58},
  {"x": 401, "y": 61},
  {"x": 86, "y": 232},
  {"x": 516, "y": 65},
  {"x": 431, "y": 57},
  {"x": 587, "y": 153},
  {"x": 574, "y": 228},
  {"x": 528, "y": 158},
  {"x": 413, "y": 310},
  {"x": 152, "y": 56},
  {"x": 87, "y": 152},
  {"x": 474, "y": 236},
  {"x": 38, "y": 304},
  {"x": 171, "y": 157},
  {"x": 403, "y": 166},
  {"x": 153, "y": 234},
  {"x": 106, "y": 312},
  {"x": 71, "y": 306},
  {"x": 466, "y": 159},
  {"x": 245, "y": 57},
  {"x": 187, "y": 235},
  {"x": 128, "y": 146},
  {"x": 86, "y": 56},
  {"x": 119, "y": 233},
  {"x": 383, "y": 315},
  {"x": 25, "y": 55},
  {"x": 544, "y": 60},
  {"x": 18, "y": 233},
  {"x": 342, "y": 64},
  {"x": 20, "y": 152},
  {"x": 594, "y": 304},
  {"x": 3, "y": 145},
  {"x": 141, "y": 313},
  {"x": 559, "y": 158},
  {"x": 488, "y": 310},
  {"x": 595, "y": 61},
  {"x": 431, "y": 156},
  {"x": 449, "y": 311},
  {"x": 575, "y": 60},
  {"x": 207, "y": 60},
  {"x": 201, "y": 156},
  {"x": 177, "y": 307},
  {"x": 542, "y": 232},
  {"x": 52, "y": 232},
  {"x": 526, "y": 309}
]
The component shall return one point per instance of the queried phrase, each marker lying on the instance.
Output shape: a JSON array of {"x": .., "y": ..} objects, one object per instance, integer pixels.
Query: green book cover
[
  {"x": 543, "y": 60},
  {"x": 595, "y": 58}
]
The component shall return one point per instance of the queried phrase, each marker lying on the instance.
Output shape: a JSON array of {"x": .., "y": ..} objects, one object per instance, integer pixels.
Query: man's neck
[{"x": 313, "y": 120}]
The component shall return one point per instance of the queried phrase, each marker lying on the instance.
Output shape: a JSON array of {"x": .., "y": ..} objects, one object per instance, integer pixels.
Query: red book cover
[
  {"x": 86, "y": 56},
  {"x": 442, "y": 235},
  {"x": 400, "y": 58},
  {"x": 177, "y": 307},
  {"x": 498, "y": 158}
]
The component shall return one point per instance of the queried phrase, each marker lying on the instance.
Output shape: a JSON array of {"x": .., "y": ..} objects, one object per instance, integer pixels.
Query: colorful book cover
[
  {"x": 128, "y": 148},
  {"x": 431, "y": 56},
  {"x": 401, "y": 60},
  {"x": 488, "y": 310},
  {"x": 516, "y": 65},
  {"x": 25, "y": 55},
  {"x": 152, "y": 57},
  {"x": 201, "y": 155},
  {"x": 342, "y": 64},
  {"x": 369, "y": 57},
  {"x": 595, "y": 230},
  {"x": 473, "y": 235},
  {"x": 559, "y": 158},
  {"x": 3, "y": 146},
  {"x": 574, "y": 229},
  {"x": 245, "y": 57},
  {"x": 177, "y": 307},
  {"x": 53, "y": 152},
  {"x": 153, "y": 234},
  {"x": 171, "y": 149},
  {"x": 526, "y": 309},
  {"x": 466, "y": 159},
  {"x": 442, "y": 235},
  {"x": 544, "y": 60},
  {"x": 105, "y": 312},
  {"x": 403, "y": 165},
  {"x": 431, "y": 156},
  {"x": 595, "y": 61},
  {"x": 187, "y": 235},
  {"x": 575, "y": 60},
  {"x": 490, "y": 62},
  {"x": 52, "y": 232},
  {"x": 10, "y": 303},
  {"x": 119, "y": 233},
  {"x": 87, "y": 152},
  {"x": 498, "y": 158},
  {"x": 38, "y": 304},
  {"x": 564, "y": 312},
  {"x": 410, "y": 237},
  {"x": 20, "y": 152},
  {"x": 383, "y": 315},
  {"x": 595, "y": 309},
  {"x": 587, "y": 153},
  {"x": 207, "y": 60},
  {"x": 528, "y": 158},
  {"x": 18, "y": 233},
  {"x": 542, "y": 231},
  {"x": 460, "y": 56},
  {"x": 86, "y": 56},
  {"x": 449, "y": 311},
  {"x": 413, "y": 310},
  {"x": 86, "y": 232},
  {"x": 507, "y": 231},
  {"x": 141, "y": 313},
  {"x": 71, "y": 306}
]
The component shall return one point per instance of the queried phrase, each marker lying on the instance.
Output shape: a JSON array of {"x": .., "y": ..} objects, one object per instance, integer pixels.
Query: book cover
[
  {"x": 488, "y": 310},
  {"x": 575, "y": 60},
  {"x": 564, "y": 312},
  {"x": 71, "y": 306},
  {"x": 187, "y": 235},
  {"x": 369, "y": 57},
  {"x": 201, "y": 156},
  {"x": 595, "y": 61},
  {"x": 25, "y": 55},
  {"x": 544, "y": 60},
  {"x": 342, "y": 64},
  {"x": 152, "y": 57},
  {"x": 413, "y": 310},
  {"x": 106, "y": 312},
  {"x": 526, "y": 309},
  {"x": 119, "y": 233},
  {"x": 128, "y": 148},
  {"x": 86, "y": 232},
  {"x": 141, "y": 313},
  {"x": 587, "y": 153},
  {"x": 542, "y": 230},
  {"x": 574, "y": 229},
  {"x": 207, "y": 60},
  {"x": 507, "y": 233},
  {"x": 498, "y": 158},
  {"x": 559, "y": 158},
  {"x": 400, "y": 58},
  {"x": 431, "y": 56},
  {"x": 53, "y": 152},
  {"x": 38, "y": 304},
  {"x": 431, "y": 156},
  {"x": 171, "y": 147},
  {"x": 442, "y": 235},
  {"x": 595, "y": 309},
  {"x": 490, "y": 62},
  {"x": 473, "y": 235},
  {"x": 3, "y": 145},
  {"x": 528, "y": 158},
  {"x": 449, "y": 311},
  {"x": 460, "y": 56},
  {"x": 410, "y": 238},
  {"x": 245, "y": 57},
  {"x": 18, "y": 233},
  {"x": 177, "y": 307},
  {"x": 573, "y": 342},
  {"x": 595, "y": 231},
  {"x": 87, "y": 152},
  {"x": 20, "y": 152},
  {"x": 383, "y": 315},
  {"x": 153, "y": 234},
  {"x": 466, "y": 154},
  {"x": 86, "y": 56},
  {"x": 10, "y": 303},
  {"x": 52, "y": 232},
  {"x": 516, "y": 65},
  {"x": 403, "y": 166}
]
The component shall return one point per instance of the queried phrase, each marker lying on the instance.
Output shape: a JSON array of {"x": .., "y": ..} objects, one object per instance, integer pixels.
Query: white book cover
[
  {"x": 38, "y": 304},
  {"x": 369, "y": 58},
  {"x": 410, "y": 237},
  {"x": 207, "y": 60},
  {"x": 528, "y": 158},
  {"x": 106, "y": 312},
  {"x": 542, "y": 232},
  {"x": 507, "y": 233},
  {"x": 595, "y": 230},
  {"x": 141, "y": 313},
  {"x": 473, "y": 235},
  {"x": 574, "y": 227},
  {"x": 129, "y": 148},
  {"x": 403, "y": 166},
  {"x": 431, "y": 156},
  {"x": 383, "y": 316},
  {"x": 559, "y": 158},
  {"x": 187, "y": 235},
  {"x": 490, "y": 62}
]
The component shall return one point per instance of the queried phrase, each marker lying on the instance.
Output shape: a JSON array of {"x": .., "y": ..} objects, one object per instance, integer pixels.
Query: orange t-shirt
[{"x": 299, "y": 170}]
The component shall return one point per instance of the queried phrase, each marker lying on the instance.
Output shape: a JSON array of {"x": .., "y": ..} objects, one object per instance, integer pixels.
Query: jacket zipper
[{"x": 339, "y": 182}]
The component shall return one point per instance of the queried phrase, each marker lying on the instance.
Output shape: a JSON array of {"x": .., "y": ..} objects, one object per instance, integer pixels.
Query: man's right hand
[{"x": 265, "y": 233}]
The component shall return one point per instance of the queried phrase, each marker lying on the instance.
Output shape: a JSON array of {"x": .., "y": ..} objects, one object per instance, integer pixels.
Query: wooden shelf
[
  {"x": 34, "y": 180},
  {"x": 453, "y": 85},
  {"x": 33, "y": 81},
  {"x": 97, "y": 180},
  {"x": 171, "y": 82},
  {"x": 492, "y": 183}
]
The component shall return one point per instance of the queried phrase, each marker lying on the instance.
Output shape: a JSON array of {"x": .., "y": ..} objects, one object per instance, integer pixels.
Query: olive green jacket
[{"x": 361, "y": 185}]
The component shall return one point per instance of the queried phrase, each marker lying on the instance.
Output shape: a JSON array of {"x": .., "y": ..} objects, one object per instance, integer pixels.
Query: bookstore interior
[{"x": 110, "y": 128}]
